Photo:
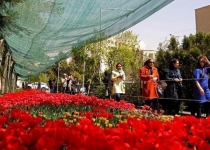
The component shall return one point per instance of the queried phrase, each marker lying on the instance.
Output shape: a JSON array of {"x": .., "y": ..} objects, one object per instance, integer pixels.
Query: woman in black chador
[{"x": 174, "y": 87}]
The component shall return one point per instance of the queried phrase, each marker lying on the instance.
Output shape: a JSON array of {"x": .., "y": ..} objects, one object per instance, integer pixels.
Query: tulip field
[{"x": 35, "y": 120}]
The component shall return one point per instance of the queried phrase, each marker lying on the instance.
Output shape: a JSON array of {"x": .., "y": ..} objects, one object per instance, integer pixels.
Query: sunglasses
[{"x": 151, "y": 62}]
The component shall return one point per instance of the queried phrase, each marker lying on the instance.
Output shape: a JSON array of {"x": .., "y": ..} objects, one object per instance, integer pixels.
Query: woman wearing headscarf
[
  {"x": 201, "y": 89},
  {"x": 118, "y": 78},
  {"x": 174, "y": 87},
  {"x": 149, "y": 77}
]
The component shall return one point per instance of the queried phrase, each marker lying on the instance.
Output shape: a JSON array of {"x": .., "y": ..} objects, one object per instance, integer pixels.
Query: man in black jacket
[{"x": 106, "y": 80}]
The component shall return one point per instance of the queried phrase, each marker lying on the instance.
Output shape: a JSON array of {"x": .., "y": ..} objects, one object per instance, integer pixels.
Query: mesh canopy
[{"x": 50, "y": 28}]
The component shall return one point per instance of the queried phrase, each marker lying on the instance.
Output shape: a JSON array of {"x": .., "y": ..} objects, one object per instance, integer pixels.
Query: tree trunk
[
  {"x": 5, "y": 74},
  {"x": 1, "y": 55}
]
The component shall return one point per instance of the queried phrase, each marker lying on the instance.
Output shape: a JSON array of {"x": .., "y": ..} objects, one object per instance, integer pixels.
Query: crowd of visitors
[
  {"x": 170, "y": 100},
  {"x": 69, "y": 84},
  {"x": 167, "y": 98}
]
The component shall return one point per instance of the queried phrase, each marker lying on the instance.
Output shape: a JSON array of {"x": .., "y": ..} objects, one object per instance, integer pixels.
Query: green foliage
[
  {"x": 186, "y": 43},
  {"x": 33, "y": 78},
  {"x": 87, "y": 59},
  {"x": 64, "y": 67},
  {"x": 42, "y": 77},
  {"x": 121, "y": 49},
  {"x": 99, "y": 91},
  {"x": 126, "y": 53},
  {"x": 200, "y": 41},
  {"x": 173, "y": 44},
  {"x": 131, "y": 90},
  {"x": 163, "y": 57}
]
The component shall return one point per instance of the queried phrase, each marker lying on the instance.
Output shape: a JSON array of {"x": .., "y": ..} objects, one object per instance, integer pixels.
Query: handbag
[{"x": 162, "y": 85}]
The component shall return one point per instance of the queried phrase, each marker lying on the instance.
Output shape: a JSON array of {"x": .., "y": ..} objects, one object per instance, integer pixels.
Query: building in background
[
  {"x": 148, "y": 54},
  {"x": 202, "y": 18}
]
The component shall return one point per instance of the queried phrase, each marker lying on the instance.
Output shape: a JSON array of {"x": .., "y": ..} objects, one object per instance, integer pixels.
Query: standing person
[
  {"x": 23, "y": 85},
  {"x": 106, "y": 81},
  {"x": 68, "y": 83},
  {"x": 51, "y": 85},
  {"x": 72, "y": 84},
  {"x": 201, "y": 90},
  {"x": 174, "y": 87},
  {"x": 118, "y": 78},
  {"x": 64, "y": 82},
  {"x": 149, "y": 76}
]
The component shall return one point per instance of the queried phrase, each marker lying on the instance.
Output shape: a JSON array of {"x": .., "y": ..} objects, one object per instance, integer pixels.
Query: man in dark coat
[{"x": 106, "y": 81}]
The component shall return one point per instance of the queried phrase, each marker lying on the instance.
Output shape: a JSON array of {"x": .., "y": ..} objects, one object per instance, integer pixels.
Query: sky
[{"x": 176, "y": 18}]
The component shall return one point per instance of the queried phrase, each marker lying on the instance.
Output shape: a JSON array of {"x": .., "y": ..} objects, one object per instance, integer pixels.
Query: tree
[
  {"x": 126, "y": 51},
  {"x": 87, "y": 59},
  {"x": 173, "y": 44}
]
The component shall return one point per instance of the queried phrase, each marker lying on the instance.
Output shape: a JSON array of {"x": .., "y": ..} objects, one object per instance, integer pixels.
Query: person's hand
[
  {"x": 120, "y": 77},
  {"x": 180, "y": 80},
  {"x": 154, "y": 79},
  {"x": 202, "y": 91},
  {"x": 176, "y": 79},
  {"x": 205, "y": 59},
  {"x": 151, "y": 76}
]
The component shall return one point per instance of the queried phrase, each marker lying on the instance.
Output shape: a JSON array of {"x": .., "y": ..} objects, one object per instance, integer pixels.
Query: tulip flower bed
[{"x": 34, "y": 120}]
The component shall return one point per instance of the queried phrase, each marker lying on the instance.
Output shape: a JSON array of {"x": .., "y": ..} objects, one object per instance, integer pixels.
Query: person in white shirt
[
  {"x": 64, "y": 82},
  {"x": 118, "y": 78},
  {"x": 72, "y": 84}
]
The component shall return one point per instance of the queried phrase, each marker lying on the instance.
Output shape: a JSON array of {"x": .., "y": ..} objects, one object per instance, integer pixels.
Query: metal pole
[
  {"x": 83, "y": 77},
  {"x": 58, "y": 75},
  {"x": 99, "y": 71}
]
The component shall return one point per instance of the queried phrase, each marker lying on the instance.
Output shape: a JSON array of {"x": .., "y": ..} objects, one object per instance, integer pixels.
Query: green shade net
[{"x": 50, "y": 28}]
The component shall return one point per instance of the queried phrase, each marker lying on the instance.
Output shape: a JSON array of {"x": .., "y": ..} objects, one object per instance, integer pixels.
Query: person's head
[
  {"x": 106, "y": 73},
  {"x": 70, "y": 76},
  {"x": 174, "y": 64},
  {"x": 150, "y": 63},
  {"x": 119, "y": 66},
  {"x": 64, "y": 75},
  {"x": 201, "y": 62}
]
